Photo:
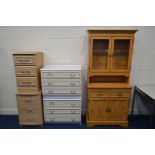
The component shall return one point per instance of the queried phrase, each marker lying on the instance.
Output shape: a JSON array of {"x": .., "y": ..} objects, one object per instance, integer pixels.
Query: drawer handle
[
  {"x": 72, "y": 75},
  {"x": 72, "y": 83},
  {"x": 51, "y": 103},
  {"x": 73, "y": 111},
  {"x": 29, "y": 109},
  {"x": 120, "y": 94},
  {"x": 26, "y": 72},
  {"x": 30, "y": 119},
  {"x": 27, "y": 99},
  {"x": 50, "y": 84},
  {"x": 52, "y": 119},
  {"x": 73, "y": 91},
  {"x": 50, "y": 91},
  {"x": 26, "y": 84},
  {"x": 100, "y": 95},
  {"x": 49, "y": 74},
  {"x": 52, "y": 112},
  {"x": 73, "y": 104},
  {"x": 73, "y": 119}
]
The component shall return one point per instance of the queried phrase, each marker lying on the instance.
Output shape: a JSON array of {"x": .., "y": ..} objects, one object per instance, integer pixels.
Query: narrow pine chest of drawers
[
  {"x": 61, "y": 89},
  {"x": 29, "y": 99}
]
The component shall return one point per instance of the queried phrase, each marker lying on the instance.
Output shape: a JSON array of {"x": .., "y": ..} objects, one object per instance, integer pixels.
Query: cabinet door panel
[
  {"x": 118, "y": 109},
  {"x": 98, "y": 109},
  {"x": 100, "y": 48},
  {"x": 121, "y": 53}
]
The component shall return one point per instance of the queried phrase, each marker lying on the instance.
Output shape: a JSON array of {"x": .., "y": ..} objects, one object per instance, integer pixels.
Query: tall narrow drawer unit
[
  {"x": 29, "y": 100},
  {"x": 61, "y": 88}
]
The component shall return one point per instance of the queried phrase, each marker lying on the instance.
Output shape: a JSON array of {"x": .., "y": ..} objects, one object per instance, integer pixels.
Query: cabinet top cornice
[{"x": 112, "y": 31}]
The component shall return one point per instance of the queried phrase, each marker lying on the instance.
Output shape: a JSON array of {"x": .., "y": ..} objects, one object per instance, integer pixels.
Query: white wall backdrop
[{"x": 66, "y": 45}]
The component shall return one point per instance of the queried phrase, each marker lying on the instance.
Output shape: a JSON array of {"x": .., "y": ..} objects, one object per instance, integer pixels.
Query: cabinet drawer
[
  {"x": 51, "y": 74},
  {"x": 101, "y": 93},
  {"x": 29, "y": 104},
  {"x": 62, "y": 118},
  {"x": 120, "y": 93},
  {"x": 24, "y": 60},
  {"x": 61, "y": 104},
  {"x": 61, "y": 111},
  {"x": 58, "y": 82},
  {"x": 61, "y": 91},
  {"x": 31, "y": 119},
  {"x": 22, "y": 71},
  {"x": 28, "y": 84}
]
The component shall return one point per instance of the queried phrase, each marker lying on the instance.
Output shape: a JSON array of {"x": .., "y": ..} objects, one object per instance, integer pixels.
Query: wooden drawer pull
[
  {"x": 27, "y": 99},
  {"x": 29, "y": 109}
]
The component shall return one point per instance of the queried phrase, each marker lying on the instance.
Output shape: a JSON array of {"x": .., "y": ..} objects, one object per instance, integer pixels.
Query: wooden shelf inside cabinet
[{"x": 110, "y": 55}]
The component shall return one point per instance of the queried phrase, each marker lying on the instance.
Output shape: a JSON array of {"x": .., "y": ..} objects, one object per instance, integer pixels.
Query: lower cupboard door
[
  {"x": 98, "y": 109},
  {"x": 118, "y": 109}
]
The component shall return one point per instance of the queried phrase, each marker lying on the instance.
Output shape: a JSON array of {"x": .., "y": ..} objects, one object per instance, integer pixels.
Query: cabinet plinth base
[{"x": 94, "y": 123}]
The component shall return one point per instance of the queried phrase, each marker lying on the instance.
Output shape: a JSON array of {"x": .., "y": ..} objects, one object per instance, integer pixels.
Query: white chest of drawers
[{"x": 61, "y": 88}]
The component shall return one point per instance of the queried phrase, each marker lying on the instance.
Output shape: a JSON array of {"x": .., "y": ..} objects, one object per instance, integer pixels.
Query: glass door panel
[
  {"x": 120, "y": 57},
  {"x": 100, "y": 51}
]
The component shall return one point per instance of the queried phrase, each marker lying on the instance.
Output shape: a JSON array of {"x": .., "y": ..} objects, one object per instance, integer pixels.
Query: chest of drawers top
[{"x": 61, "y": 68}]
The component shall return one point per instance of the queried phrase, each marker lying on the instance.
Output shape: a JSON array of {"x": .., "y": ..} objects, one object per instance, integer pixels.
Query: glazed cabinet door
[
  {"x": 121, "y": 54},
  {"x": 99, "y": 53},
  {"x": 118, "y": 109},
  {"x": 98, "y": 109}
]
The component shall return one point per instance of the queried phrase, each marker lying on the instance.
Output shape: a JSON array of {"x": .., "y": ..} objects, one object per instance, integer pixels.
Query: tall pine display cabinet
[{"x": 110, "y": 54}]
